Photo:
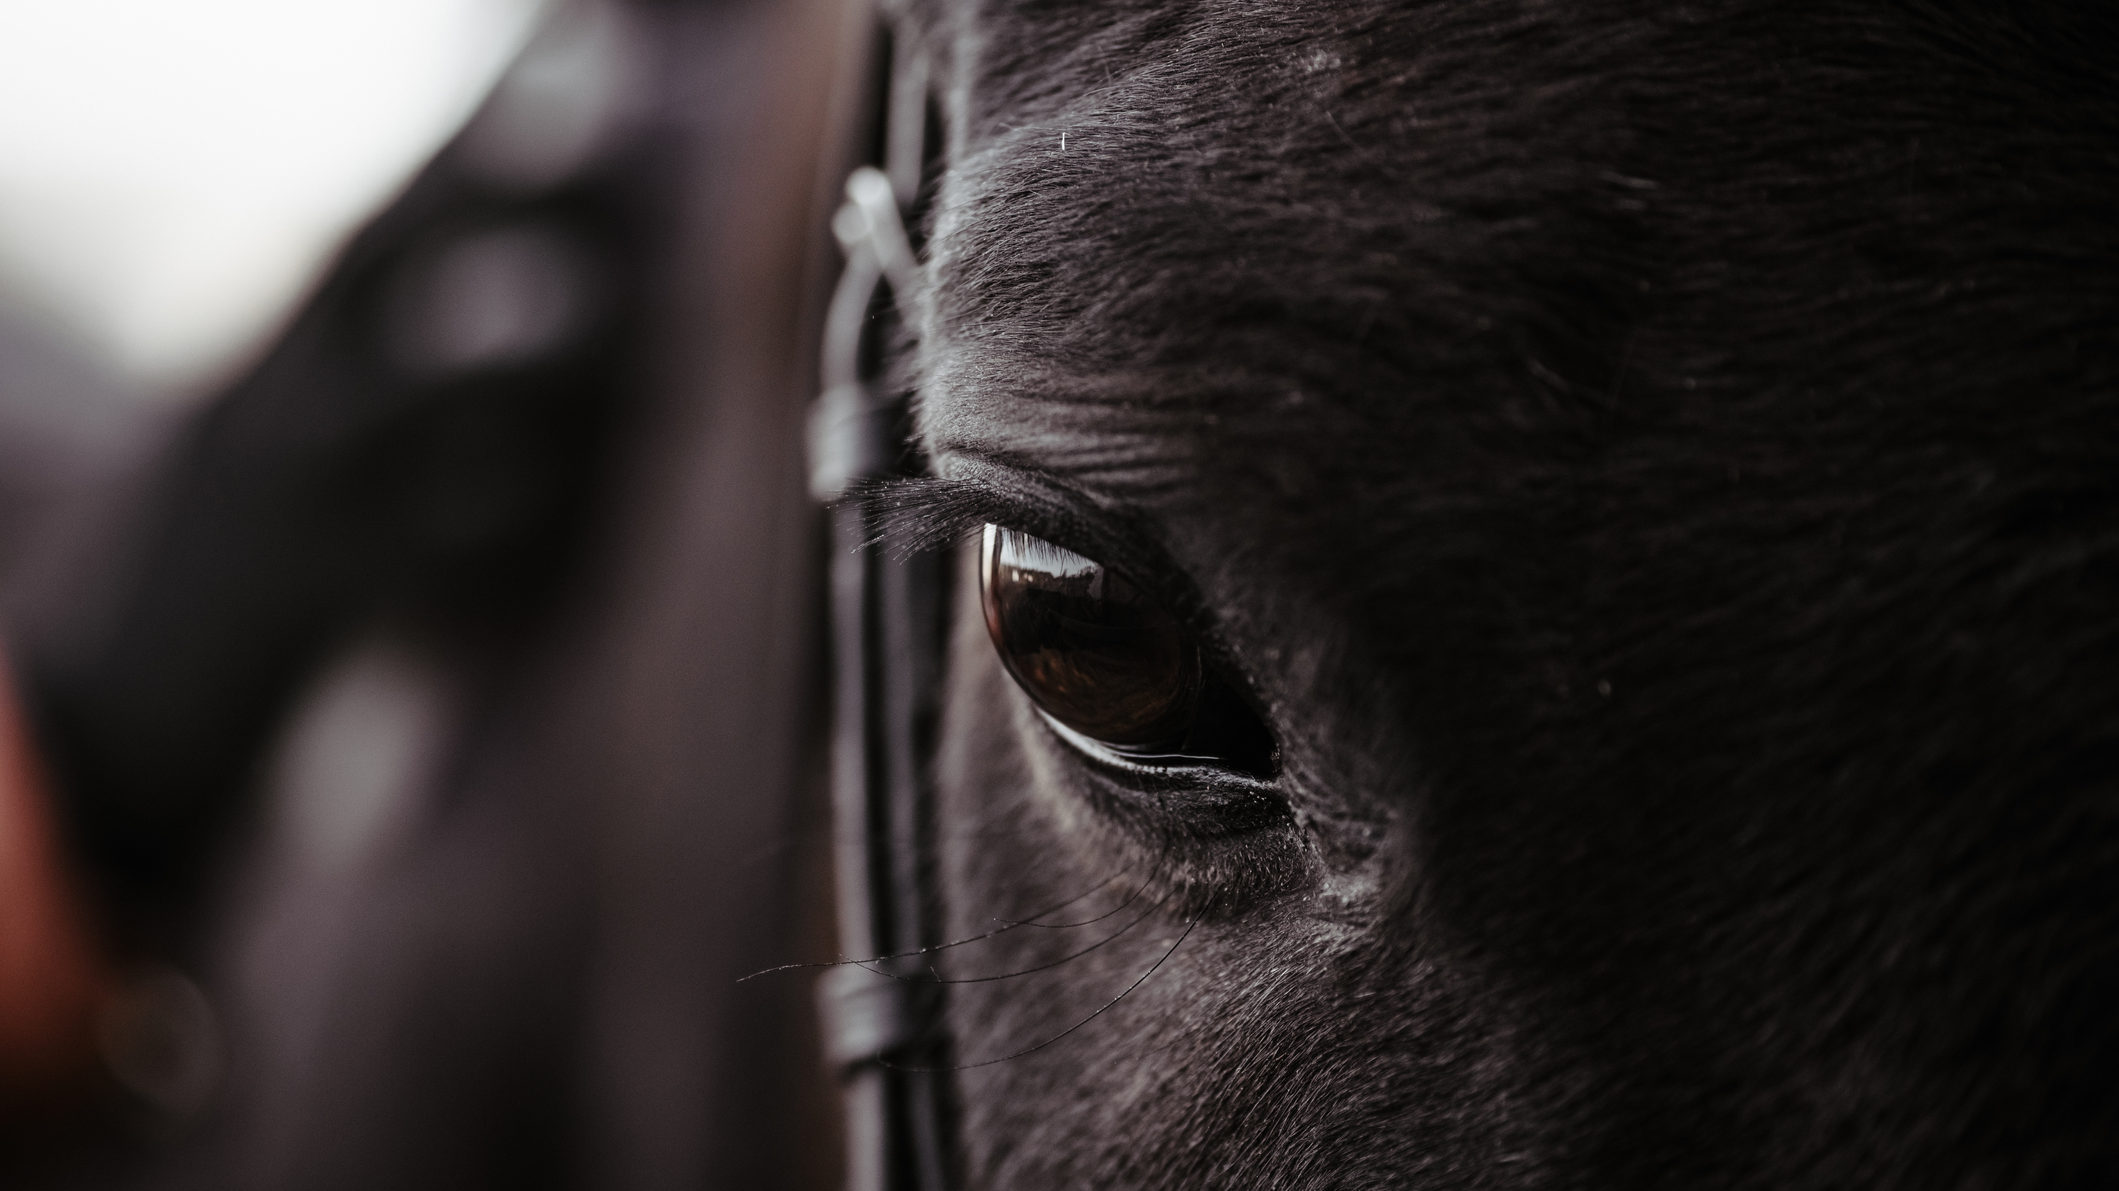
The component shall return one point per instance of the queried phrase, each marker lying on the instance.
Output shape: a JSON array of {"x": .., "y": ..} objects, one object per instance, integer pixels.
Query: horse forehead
[
  {"x": 1169, "y": 231},
  {"x": 1123, "y": 305},
  {"x": 1209, "y": 185}
]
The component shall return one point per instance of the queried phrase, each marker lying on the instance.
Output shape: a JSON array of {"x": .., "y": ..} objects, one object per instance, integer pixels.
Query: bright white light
[{"x": 175, "y": 173}]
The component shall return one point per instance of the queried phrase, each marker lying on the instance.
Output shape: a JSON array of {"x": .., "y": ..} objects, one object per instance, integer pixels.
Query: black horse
[{"x": 1556, "y": 569}]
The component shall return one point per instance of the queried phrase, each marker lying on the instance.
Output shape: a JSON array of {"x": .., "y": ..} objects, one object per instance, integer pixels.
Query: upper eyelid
[
  {"x": 930, "y": 512},
  {"x": 927, "y": 512}
]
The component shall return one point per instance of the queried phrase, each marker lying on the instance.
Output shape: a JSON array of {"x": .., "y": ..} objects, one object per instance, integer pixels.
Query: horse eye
[{"x": 1105, "y": 662}]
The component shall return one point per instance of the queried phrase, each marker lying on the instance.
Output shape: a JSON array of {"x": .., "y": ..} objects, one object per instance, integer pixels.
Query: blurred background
[{"x": 408, "y": 582}]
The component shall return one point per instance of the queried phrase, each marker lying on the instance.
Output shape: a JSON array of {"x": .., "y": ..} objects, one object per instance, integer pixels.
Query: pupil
[{"x": 1085, "y": 645}]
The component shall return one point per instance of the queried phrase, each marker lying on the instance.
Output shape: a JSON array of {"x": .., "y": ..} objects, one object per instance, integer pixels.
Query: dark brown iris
[{"x": 1087, "y": 645}]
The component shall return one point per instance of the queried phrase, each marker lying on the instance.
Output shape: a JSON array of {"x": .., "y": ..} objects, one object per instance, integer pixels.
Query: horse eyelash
[{"x": 913, "y": 516}]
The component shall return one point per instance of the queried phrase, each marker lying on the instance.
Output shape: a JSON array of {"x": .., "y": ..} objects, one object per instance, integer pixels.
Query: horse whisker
[
  {"x": 1069, "y": 958},
  {"x": 1006, "y": 926},
  {"x": 1152, "y": 969}
]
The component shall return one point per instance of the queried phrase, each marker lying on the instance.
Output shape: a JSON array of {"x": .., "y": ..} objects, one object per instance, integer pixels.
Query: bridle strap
[{"x": 883, "y": 1020}]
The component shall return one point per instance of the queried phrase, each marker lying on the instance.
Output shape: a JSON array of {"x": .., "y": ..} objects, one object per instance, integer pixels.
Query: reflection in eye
[{"x": 1107, "y": 663}]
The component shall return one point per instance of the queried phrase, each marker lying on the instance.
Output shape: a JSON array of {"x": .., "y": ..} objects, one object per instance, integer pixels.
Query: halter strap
[{"x": 884, "y": 1029}]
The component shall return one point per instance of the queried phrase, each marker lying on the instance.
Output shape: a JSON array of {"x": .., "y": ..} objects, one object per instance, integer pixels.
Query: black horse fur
[{"x": 1655, "y": 468}]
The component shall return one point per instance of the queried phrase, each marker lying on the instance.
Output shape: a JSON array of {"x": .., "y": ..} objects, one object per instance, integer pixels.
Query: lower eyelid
[
  {"x": 1132, "y": 763},
  {"x": 1200, "y": 803}
]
